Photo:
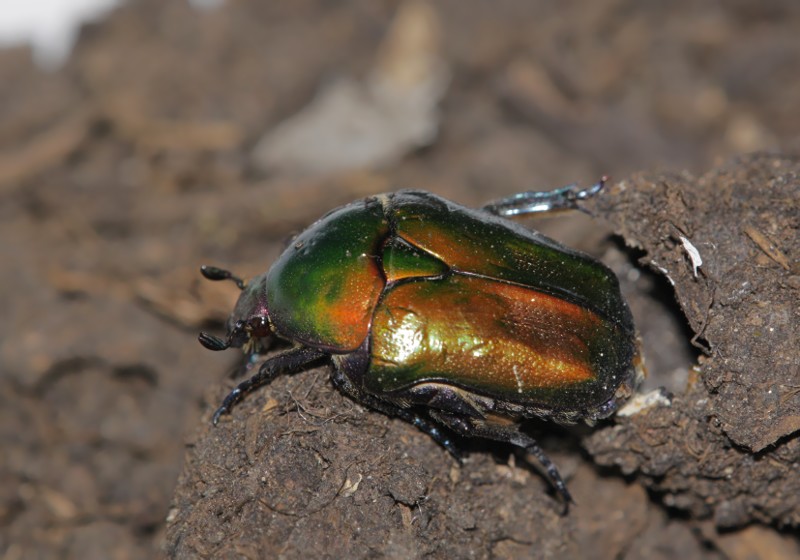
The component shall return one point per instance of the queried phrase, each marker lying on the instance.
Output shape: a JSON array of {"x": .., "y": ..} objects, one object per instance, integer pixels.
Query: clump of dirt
[{"x": 728, "y": 447}]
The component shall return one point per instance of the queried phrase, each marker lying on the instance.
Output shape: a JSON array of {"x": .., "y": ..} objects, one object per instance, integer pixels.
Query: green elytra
[{"x": 340, "y": 249}]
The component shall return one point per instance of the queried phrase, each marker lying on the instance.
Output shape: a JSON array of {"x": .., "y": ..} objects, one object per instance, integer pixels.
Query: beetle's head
[{"x": 248, "y": 325}]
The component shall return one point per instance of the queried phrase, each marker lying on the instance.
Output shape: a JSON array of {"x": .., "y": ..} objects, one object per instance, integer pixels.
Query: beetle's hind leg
[
  {"x": 290, "y": 361},
  {"x": 435, "y": 431},
  {"x": 509, "y": 434},
  {"x": 533, "y": 202}
]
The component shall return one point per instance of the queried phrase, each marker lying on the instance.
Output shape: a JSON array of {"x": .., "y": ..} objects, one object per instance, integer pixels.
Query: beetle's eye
[{"x": 259, "y": 327}]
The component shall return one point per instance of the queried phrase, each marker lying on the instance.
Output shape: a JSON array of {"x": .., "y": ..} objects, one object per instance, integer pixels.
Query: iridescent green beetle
[{"x": 444, "y": 316}]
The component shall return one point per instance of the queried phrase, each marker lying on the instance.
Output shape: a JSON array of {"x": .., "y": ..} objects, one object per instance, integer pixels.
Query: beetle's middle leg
[
  {"x": 435, "y": 431},
  {"x": 472, "y": 427}
]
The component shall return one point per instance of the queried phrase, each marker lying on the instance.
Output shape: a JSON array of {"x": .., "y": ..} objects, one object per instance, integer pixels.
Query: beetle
[{"x": 450, "y": 318}]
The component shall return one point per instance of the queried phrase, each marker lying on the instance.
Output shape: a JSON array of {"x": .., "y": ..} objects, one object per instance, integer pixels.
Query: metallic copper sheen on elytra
[{"x": 444, "y": 316}]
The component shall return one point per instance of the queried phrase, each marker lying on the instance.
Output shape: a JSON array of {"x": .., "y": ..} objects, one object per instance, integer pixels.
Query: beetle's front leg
[
  {"x": 532, "y": 202},
  {"x": 290, "y": 361},
  {"x": 472, "y": 427}
]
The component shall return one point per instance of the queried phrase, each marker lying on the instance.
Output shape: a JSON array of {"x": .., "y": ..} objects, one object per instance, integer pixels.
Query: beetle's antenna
[
  {"x": 216, "y": 274},
  {"x": 213, "y": 342}
]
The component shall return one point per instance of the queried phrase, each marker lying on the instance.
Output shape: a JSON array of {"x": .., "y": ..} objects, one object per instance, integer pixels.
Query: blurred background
[{"x": 158, "y": 136}]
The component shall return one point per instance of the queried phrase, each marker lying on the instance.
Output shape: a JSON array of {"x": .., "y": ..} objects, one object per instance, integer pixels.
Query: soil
[{"x": 138, "y": 161}]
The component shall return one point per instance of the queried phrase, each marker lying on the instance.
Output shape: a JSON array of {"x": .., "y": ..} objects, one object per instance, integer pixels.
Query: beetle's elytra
[{"x": 444, "y": 316}]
